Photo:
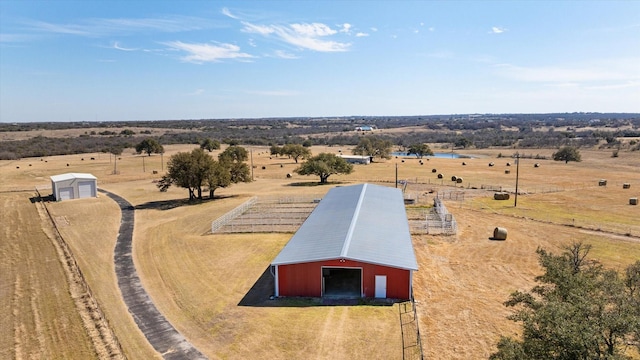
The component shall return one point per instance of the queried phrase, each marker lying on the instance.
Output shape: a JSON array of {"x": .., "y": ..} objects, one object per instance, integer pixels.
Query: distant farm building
[
  {"x": 364, "y": 128},
  {"x": 356, "y": 159},
  {"x": 356, "y": 243},
  {"x": 74, "y": 186}
]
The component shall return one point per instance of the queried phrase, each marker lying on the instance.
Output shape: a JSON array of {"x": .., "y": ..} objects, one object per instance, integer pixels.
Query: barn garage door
[
  {"x": 85, "y": 189},
  {"x": 66, "y": 193},
  {"x": 342, "y": 282}
]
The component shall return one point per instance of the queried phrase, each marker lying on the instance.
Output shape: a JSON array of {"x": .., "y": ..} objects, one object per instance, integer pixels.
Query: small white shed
[
  {"x": 74, "y": 186},
  {"x": 356, "y": 159}
]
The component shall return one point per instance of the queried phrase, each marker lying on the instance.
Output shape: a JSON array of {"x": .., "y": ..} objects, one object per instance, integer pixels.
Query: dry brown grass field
[{"x": 199, "y": 280}]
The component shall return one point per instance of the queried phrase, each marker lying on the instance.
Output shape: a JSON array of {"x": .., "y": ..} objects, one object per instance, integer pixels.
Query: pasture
[{"x": 204, "y": 283}]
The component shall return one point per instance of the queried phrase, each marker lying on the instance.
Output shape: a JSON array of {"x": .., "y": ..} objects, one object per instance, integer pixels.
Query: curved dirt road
[{"x": 158, "y": 331}]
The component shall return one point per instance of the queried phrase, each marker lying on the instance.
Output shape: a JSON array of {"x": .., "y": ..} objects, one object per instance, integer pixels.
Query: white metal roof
[
  {"x": 72, "y": 176},
  {"x": 365, "y": 222}
]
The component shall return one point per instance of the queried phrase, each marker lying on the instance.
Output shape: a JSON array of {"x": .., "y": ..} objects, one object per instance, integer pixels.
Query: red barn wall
[{"x": 305, "y": 279}]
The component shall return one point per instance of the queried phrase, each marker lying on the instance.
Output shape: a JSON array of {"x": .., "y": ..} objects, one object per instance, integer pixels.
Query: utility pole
[
  {"x": 251, "y": 154},
  {"x": 396, "y": 175},
  {"x": 515, "y": 202}
]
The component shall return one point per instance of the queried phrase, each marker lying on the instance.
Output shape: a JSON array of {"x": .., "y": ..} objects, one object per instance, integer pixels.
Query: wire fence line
[{"x": 411, "y": 343}]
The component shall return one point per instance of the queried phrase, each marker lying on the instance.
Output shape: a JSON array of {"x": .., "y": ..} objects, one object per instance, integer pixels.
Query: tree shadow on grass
[
  {"x": 48, "y": 198},
  {"x": 175, "y": 203},
  {"x": 316, "y": 183}
]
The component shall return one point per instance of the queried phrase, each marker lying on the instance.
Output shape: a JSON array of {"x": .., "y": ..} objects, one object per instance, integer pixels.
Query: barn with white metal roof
[
  {"x": 74, "y": 186},
  {"x": 356, "y": 243}
]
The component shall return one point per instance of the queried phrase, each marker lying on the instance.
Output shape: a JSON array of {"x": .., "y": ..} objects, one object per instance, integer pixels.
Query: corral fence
[
  {"x": 218, "y": 223},
  {"x": 267, "y": 214},
  {"x": 437, "y": 221},
  {"x": 411, "y": 343},
  {"x": 441, "y": 221}
]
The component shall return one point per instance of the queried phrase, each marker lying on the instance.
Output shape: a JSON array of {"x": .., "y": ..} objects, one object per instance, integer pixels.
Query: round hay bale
[
  {"x": 434, "y": 170},
  {"x": 500, "y": 233},
  {"x": 454, "y": 178},
  {"x": 288, "y": 175},
  {"x": 507, "y": 171},
  {"x": 602, "y": 182},
  {"x": 264, "y": 168},
  {"x": 459, "y": 180},
  {"x": 281, "y": 165},
  {"x": 633, "y": 201},
  {"x": 536, "y": 165},
  {"x": 491, "y": 164},
  {"x": 508, "y": 164},
  {"x": 464, "y": 163},
  {"x": 626, "y": 186},
  {"x": 440, "y": 176},
  {"x": 501, "y": 196}
]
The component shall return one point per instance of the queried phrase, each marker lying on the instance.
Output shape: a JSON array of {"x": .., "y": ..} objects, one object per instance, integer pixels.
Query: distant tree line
[{"x": 458, "y": 131}]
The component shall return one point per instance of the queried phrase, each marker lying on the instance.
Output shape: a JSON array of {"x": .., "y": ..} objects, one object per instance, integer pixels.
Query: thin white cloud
[
  {"x": 118, "y": 47},
  {"x": 374, "y": 29},
  {"x": 608, "y": 71},
  {"x": 313, "y": 30},
  {"x": 622, "y": 85},
  {"x": 201, "y": 53},
  {"x": 361, "y": 34},
  {"x": 227, "y": 12},
  {"x": 15, "y": 38},
  {"x": 105, "y": 27},
  {"x": 285, "y": 55},
  {"x": 346, "y": 28},
  {"x": 497, "y": 30},
  {"x": 310, "y": 36}
]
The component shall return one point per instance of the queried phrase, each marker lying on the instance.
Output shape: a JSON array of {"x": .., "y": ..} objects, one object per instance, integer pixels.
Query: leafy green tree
[
  {"x": 197, "y": 169},
  {"x": 373, "y": 146},
  {"x": 127, "y": 132},
  {"x": 183, "y": 171},
  {"x": 233, "y": 158},
  {"x": 210, "y": 144},
  {"x": 149, "y": 146},
  {"x": 566, "y": 154},
  {"x": 275, "y": 150},
  {"x": 296, "y": 151},
  {"x": 462, "y": 142},
  {"x": 324, "y": 165},
  {"x": 420, "y": 150},
  {"x": 219, "y": 176},
  {"x": 580, "y": 310},
  {"x": 234, "y": 153}
]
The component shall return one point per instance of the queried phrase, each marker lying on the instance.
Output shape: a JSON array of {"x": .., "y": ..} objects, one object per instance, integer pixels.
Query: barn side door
[{"x": 381, "y": 286}]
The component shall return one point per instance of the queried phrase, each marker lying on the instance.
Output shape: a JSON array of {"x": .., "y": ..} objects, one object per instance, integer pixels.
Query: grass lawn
[{"x": 202, "y": 282}]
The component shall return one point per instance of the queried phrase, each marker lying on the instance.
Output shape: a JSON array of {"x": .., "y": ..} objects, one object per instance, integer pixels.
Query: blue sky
[{"x": 155, "y": 60}]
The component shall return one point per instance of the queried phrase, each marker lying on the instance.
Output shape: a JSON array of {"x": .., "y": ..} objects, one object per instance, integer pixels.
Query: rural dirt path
[{"x": 155, "y": 327}]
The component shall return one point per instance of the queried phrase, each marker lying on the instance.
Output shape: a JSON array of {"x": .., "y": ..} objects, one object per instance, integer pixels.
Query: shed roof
[
  {"x": 365, "y": 222},
  {"x": 71, "y": 176}
]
